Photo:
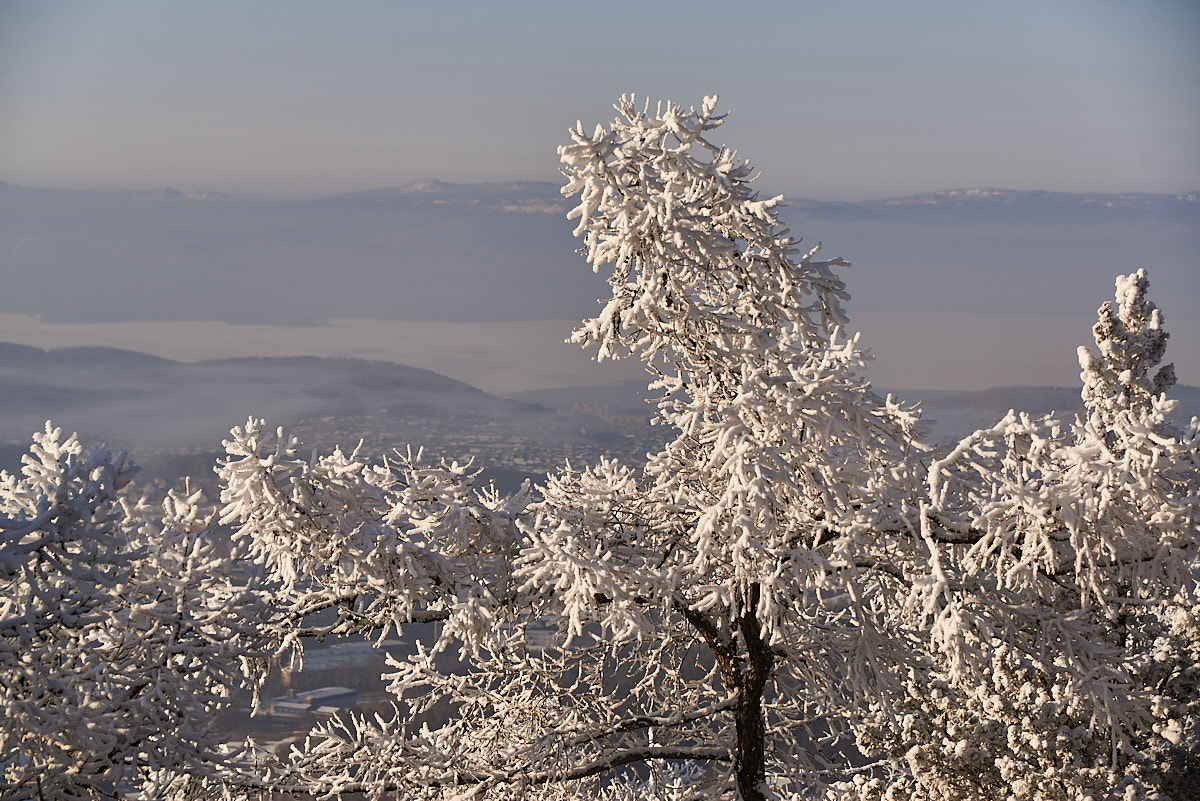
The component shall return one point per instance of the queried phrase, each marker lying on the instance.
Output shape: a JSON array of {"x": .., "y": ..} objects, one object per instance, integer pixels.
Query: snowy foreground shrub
[
  {"x": 795, "y": 598},
  {"x": 120, "y": 630}
]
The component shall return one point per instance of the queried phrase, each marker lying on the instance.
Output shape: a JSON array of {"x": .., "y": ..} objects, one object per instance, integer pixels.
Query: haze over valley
[
  {"x": 434, "y": 315},
  {"x": 173, "y": 416}
]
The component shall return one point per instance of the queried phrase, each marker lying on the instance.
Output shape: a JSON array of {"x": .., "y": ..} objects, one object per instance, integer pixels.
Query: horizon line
[{"x": 433, "y": 185}]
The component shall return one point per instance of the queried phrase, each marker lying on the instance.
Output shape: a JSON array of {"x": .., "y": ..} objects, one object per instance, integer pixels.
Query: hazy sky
[{"x": 833, "y": 100}]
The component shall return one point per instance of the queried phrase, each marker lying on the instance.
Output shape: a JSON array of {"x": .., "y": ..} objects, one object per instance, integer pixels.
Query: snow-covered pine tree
[
  {"x": 1131, "y": 341},
  {"x": 1061, "y": 598}
]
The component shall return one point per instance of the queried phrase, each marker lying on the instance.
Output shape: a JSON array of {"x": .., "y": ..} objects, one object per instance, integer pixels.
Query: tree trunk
[{"x": 750, "y": 760}]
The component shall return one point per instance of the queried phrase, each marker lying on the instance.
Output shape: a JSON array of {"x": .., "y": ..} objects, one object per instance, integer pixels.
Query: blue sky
[{"x": 850, "y": 100}]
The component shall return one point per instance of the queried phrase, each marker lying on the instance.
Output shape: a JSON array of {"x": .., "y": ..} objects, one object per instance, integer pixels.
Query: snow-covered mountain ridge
[
  {"x": 1008, "y": 205},
  {"x": 980, "y": 204},
  {"x": 434, "y": 189},
  {"x": 1013, "y": 196}
]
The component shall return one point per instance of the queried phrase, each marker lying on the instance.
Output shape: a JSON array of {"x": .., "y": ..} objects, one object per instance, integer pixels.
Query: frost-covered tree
[
  {"x": 375, "y": 546},
  {"x": 766, "y": 534},
  {"x": 1131, "y": 342},
  {"x": 721, "y": 608},
  {"x": 1061, "y": 597},
  {"x": 120, "y": 632}
]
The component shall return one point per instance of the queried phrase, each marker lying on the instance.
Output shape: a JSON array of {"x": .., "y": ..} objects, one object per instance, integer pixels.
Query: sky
[{"x": 836, "y": 101}]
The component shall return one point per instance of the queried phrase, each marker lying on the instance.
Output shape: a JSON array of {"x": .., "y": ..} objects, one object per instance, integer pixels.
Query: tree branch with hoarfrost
[
  {"x": 382, "y": 545},
  {"x": 122, "y": 631}
]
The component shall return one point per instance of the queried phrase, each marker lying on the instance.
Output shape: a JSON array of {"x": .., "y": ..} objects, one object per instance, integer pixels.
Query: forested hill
[
  {"x": 155, "y": 407},
  {"x": 158, "y": 400},
  {"x": 152, "y": 406}
]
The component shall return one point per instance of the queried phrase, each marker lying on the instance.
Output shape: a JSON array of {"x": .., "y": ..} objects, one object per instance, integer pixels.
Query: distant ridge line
[{"x": 433, "y": 186}]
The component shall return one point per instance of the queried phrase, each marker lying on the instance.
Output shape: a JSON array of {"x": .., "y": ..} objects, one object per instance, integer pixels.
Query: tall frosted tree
[{"x": 767, "y": 519}]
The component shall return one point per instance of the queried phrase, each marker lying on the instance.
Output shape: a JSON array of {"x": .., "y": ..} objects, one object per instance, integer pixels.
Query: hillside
[{"x": 157, "y": 408}]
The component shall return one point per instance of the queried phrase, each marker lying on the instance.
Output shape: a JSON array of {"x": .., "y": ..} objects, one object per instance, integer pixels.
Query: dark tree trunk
[
  {"x": 750, "y": 760},
  {"x": 746, "y": 674}
]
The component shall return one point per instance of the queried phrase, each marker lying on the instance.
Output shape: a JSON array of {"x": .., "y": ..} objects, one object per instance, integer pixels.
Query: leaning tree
[{"x": 727, "y": 605}]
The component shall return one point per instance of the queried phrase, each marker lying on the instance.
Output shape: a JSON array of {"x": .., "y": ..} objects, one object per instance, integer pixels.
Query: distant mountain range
[
  {"x": 1012, "y": 205},
  {"x": 541, "y": 197},
  {"x": 523, "y": 194},
  {"x": 432, "y": 251}
]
